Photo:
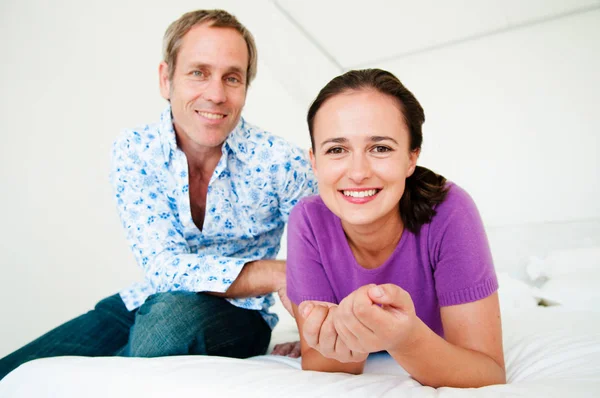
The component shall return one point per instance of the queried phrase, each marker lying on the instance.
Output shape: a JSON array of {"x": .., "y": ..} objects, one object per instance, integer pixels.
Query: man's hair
[
  {"x": 424, "y": 189},
  {"x": 216, "y": 18}
]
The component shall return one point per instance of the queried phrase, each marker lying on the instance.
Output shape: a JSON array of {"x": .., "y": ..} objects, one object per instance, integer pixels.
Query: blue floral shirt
[{"x": 257, "y": 181}]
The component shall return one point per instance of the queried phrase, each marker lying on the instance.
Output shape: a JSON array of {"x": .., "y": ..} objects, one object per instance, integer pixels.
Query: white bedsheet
[{"x": 549, "y": 352}]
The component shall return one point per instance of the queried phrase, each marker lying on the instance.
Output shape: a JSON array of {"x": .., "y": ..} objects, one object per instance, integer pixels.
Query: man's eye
[
  {"x": 233, "y": 80},
  {"x": 336, "y": 150},
  {"x": 197, "y": 73}
]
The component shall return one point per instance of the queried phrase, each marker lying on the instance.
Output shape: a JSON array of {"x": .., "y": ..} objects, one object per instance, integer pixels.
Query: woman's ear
[
  {"x": 313, "y": 161},
  {"x": 412, "y": 161}
]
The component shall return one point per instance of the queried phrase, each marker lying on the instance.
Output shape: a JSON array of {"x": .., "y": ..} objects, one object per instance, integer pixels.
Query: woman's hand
[
  {"x": 320, "y": 334},
  {"x": 377, "y": 318}
]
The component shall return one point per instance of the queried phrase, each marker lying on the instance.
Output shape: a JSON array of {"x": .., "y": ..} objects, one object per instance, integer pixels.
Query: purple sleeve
[
  {"x": 461, "y": 257},
  {"x": 306, "y": 278}
]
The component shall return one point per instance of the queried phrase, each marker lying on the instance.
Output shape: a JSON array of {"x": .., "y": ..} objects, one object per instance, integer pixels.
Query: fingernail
[
  {"x": 377, "y": 291},
  {"x": 307, "y": 309}
]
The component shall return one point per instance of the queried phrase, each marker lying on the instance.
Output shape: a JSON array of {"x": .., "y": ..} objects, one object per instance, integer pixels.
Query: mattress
[{"x": 549, "y": 352}]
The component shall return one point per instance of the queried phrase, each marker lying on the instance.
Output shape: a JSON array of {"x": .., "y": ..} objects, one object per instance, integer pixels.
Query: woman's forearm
[
  {"x": 313, "y": 360},
  {"x": 434, "y": 362}
]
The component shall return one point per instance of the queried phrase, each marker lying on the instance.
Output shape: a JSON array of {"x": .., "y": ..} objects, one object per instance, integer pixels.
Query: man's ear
[
  {"x": 163, "y": 80},
  {"x": 313, "y": 161},
  {"x": 412, "y": 163}
]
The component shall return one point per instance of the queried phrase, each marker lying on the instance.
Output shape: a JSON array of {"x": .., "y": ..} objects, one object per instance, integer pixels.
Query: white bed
[{"x": 550, "y": 351}]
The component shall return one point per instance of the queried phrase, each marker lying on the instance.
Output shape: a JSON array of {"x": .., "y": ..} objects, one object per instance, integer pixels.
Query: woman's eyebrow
[
  {"x": 338, "y": 140},
  {"x": 377, "y": 138}
]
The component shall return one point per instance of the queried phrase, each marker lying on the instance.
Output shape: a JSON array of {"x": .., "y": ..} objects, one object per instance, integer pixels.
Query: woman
[{"x": 390, "y": 256}]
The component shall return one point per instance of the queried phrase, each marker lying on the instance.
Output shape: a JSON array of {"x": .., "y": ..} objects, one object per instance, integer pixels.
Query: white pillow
[
  {"x": 560, "y": 263},
  {"x": 515, "y": 294},
  {"x": 570, "y": 278},
  {"x": 577, "y": 292}
]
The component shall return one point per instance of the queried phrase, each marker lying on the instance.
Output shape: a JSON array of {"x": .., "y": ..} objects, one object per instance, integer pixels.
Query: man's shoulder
[
  {"x": 144, "y": 140},
  {"x": 139, "y": 135},
  {"x": 259, "y": 140}
]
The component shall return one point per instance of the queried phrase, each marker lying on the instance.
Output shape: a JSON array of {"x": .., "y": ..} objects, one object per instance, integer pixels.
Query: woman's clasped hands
[{"x": 372, "y": 318}]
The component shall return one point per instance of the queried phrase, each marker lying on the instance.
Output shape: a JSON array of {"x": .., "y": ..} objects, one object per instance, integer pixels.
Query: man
[{"x": 203, "y": 197}]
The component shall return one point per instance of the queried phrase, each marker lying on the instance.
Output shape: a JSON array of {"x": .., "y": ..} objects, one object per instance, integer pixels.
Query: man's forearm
[{"x": 256, "y": 278}]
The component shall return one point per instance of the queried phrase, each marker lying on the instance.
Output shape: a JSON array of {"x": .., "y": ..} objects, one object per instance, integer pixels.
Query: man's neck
[
  {"x": 202, "y": 163},
  {"x": 201, "y": 160}
]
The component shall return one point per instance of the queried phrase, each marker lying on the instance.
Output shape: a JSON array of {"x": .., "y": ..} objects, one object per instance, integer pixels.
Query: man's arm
[
  {"x": 155, "y": 233},
  {"x": 257, "y": 278}
]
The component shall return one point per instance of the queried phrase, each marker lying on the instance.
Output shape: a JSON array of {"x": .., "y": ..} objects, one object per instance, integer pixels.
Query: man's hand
[
  {"x": 320, "y": 334},
  {"x": 257, "y": 278},
  {"x": 287, "y": 304},
  {"x": 291, "y": 349},
  {"x": 376, "y": 318}
]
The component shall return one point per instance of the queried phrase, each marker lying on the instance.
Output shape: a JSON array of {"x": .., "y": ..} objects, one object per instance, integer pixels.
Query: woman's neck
[{"x": 373, "y": 244}]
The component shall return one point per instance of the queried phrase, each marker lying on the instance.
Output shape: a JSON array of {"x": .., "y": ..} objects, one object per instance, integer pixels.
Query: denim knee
[{"x": 167, "y": 324}]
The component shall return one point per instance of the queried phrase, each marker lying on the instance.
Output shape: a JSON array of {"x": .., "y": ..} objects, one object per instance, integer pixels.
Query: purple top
[{"x": 447, "y": 263}]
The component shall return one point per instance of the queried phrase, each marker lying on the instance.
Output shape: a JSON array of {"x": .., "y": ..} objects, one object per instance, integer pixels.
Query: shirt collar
[
  {"x": 237, "y": 141},
  {"x": 234, "y": 143},
  {"x": 167, "y": 132}
]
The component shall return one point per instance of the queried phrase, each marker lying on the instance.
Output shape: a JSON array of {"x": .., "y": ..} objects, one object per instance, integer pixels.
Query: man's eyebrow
[
  {"x": 236, "y": 69},
  {"x": 232, "y": 69}
]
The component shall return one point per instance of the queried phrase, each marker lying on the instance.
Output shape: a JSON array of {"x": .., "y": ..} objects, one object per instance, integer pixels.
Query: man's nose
[{"x": 215, "y": 91}]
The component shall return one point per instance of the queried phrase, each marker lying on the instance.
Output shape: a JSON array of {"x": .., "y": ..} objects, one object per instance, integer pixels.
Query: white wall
[{"x": 512, "y": 117}]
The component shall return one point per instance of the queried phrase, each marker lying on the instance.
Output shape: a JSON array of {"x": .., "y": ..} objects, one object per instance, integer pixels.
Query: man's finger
[{"x": 295, "y": 353}]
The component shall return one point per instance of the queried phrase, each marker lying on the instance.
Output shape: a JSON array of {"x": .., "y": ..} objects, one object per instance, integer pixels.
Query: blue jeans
[{"x": 173, "y": 323}]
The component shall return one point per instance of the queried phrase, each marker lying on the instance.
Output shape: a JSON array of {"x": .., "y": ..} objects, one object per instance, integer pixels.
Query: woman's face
[{"x": 362, "y": 156}]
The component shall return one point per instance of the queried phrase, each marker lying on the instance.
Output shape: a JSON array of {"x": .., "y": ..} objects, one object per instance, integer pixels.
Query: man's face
[{"x": 208, "y": 89}]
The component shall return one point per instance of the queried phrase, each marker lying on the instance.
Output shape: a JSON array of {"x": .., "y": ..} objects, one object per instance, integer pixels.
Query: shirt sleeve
[
  {"x": 305, "y": 275},
  {"x": 462, "y": 260},
  {"x": 154, "y": 232},
  {"x": 297, "y": 182}
]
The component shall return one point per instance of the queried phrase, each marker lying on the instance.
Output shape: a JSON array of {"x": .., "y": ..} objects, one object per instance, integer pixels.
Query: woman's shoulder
[
  {"x": 312, "y": 222},
  {"x": 457, "y": 199},
  {"x": 312, "y": 204},
  {"x": 458, "y": 210},
  {"x": 311, "y": 214}
]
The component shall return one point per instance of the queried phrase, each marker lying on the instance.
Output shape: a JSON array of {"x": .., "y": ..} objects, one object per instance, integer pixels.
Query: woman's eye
[
  {"x": 381, "y": 148},
  {"x": 335, "y": 150}
]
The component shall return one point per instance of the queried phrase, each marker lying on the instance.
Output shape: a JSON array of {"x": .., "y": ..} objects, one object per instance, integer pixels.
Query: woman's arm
[
  {"x": 375, "y": 318},
  {"x": 316, "y": 330},
  {"x": 471, "y": 355}
]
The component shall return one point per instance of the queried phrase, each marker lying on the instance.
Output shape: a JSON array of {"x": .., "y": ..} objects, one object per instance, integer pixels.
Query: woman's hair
[{"x": 424, "y": 188}]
